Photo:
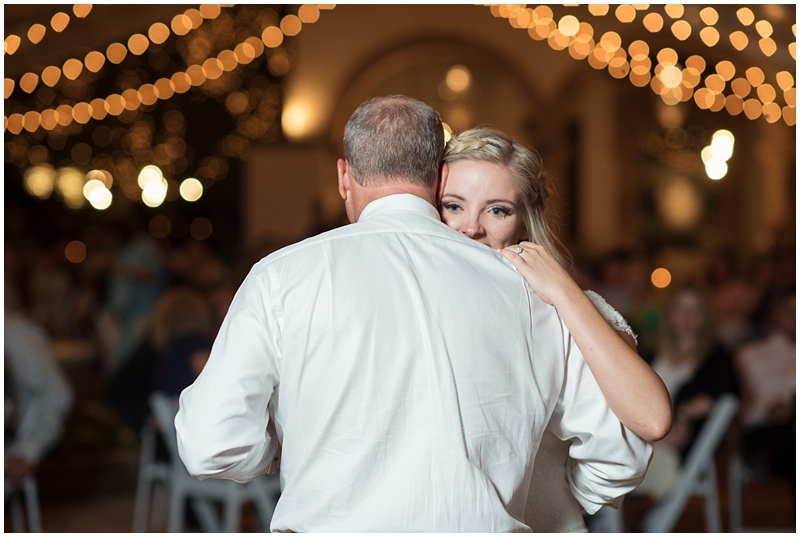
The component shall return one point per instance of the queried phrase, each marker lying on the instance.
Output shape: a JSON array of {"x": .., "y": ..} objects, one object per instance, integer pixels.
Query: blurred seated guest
[
  {"x": 37, "y": 396},
  {"x": 135, "y": 283},
  {"x": 169, "y": 358},
  {"x": 767, "y": 371},
  {"x": 733, "y": 299},
  {"x": 696, "y": 370}
]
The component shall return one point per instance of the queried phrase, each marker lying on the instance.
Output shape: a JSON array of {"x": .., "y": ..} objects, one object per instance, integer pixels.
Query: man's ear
[
  {"x": 343, "y": 172},
  {"x": 442, "y": 183}
]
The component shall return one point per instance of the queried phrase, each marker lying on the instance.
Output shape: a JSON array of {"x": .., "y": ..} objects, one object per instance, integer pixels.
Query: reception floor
[{"x": 94, "y": 492}]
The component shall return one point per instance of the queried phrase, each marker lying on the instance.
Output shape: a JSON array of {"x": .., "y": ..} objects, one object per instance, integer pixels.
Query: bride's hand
[{"x": 544, "y": 274}]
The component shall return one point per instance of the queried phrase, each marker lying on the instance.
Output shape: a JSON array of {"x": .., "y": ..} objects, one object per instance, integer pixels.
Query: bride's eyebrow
[
  {"x": 449, "y": 195},
  {"x": 500, "y": 201}
]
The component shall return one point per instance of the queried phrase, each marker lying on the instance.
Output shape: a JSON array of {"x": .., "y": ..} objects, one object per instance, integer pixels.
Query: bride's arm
[{"x": 633, "y": 390}]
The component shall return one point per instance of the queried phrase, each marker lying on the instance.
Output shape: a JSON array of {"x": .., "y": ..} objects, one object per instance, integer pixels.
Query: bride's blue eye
[
  {"x": 500, "y": 211},
  {"x": 451, "y": 206}
]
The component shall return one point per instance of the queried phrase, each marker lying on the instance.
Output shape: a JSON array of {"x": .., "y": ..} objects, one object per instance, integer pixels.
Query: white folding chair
[
  {"x": 698, "y": 475},
  {"x": 15, "y": 494},
  {"x": 232, "y": 495},
  {"x": 152, "y": 472}
]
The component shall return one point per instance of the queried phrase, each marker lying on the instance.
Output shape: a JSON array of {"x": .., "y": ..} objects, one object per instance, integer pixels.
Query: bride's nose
[{"x": 472, "y": 228}]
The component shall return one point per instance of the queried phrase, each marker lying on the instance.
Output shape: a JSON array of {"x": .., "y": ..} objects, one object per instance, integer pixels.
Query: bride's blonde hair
[{"x": 525, "y": 167}]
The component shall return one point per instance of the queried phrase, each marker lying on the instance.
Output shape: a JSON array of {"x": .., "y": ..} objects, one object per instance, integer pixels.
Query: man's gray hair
[{"x": 394, "y": 139}]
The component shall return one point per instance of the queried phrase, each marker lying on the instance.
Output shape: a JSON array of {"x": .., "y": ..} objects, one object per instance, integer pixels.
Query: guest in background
[
  {"x": 169, "y": 358},
  {"x": 696, "y": 370},
  {"x": 767, "y": 371},
  {"x": 733, "y": 299},
  {"x": 37, "y": 396},
  {"x": 137, "y": 280}
]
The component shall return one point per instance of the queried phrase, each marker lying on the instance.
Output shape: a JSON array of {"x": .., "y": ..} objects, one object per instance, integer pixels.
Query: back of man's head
[{"x": 392, "y": 140}]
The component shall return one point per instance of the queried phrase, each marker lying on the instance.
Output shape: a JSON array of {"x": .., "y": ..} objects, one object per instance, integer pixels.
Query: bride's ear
[{"x": 442, "y": 183}]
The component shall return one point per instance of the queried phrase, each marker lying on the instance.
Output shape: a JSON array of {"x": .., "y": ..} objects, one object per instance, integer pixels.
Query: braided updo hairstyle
[{"x": 525, "y": 167}]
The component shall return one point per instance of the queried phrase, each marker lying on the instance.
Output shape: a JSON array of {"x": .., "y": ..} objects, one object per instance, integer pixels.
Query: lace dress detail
[
  {"x": 614, "y": 318},
  {"x": 551, "y": 507}
]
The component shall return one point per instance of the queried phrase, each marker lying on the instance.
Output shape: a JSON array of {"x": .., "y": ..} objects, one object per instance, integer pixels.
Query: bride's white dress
[{"x": 551, "y": 506}]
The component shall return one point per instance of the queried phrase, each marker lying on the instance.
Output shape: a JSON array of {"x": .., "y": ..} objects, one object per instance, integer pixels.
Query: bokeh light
[
  {"x": 75, "y": 252},
  {"x": 661, "y": 278},
  {"x": 191, "y": 189}
]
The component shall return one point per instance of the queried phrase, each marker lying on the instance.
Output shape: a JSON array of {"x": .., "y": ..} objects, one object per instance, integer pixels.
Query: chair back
[
  {"x": 699, "y": 463},
  {"x": 164, "y": 410}
]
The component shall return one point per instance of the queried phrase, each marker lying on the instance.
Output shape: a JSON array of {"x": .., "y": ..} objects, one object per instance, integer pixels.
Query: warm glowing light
[
  {"x": 69, "y": 183},
  {"x": 154, "y": 193},
  {"x": 448, "y": 132},
  {"x": 75, "y": 252},
  {"x": 90, "y": 186},
  {"x": 696, "y": 62},
  {"x": 785, "y": 80},
  {"x": 196, "y": 75},
  {"x": 772, "y": 112},
  {"x": 28, "y": 82},
  {"x": 755, "y": 76},
  {"x": 210, "y": 11},
  {"x": 82, "y": 113},
  {"x": 661, "y": 278},
  {"x": 191, "y": 189},
  {"x": 291, "y": 25},
  {"x": 81, "y": 10},
  {"x": 715, "y": 83},
  {"x": 721, "y": 147},
  {"x": 625, "y": 13},
  {"x": 739, "y": 40},
  {"x": 671, "y": 77},
  {"x": 36, "y": 33},
  {"x": 11, "y": 44},
  {"x": 674, "y": 10},
  {"x": 766, "y": 93},
  {"x": 716, "y": 169},
  {"x": 158, "y": 33},
  {"x": 149, "y": 174},
  {"x": 100, "y": 175},
  {"x": 745, "y": 16},
  {"x": 764, "y": 29},
  {"x": 681, "y": 30},
  {"x": 94, "y": 61},
  {"x": 72, "y": 68},
  {"x": 458, "y": 78},
  {"x": 100, "y": 198},
  {"x": 308, "y": 13},
  {"x": 726, "y": 70},
  {"x": 181, "y": 24},
  {"x": 709, "y": 16},
  {"x": 569, "y": 25},
  {"x": 31, "y": 121},
  {"x": 295, "y": 120},
  {"x": 59, "y": 21},
  {"x": 137, "y": 44},
  {"x": 116, "y": 52},
  {"x": 272, "y": 36},
  {"x": 179, "y": 83},
  {"x": 767, "y": 46},
  {"x": 752, "y": 108},
  {"x": 39, "y": 181},
  {"x": 598, "y": 10},
  {"x": 195, "y": 17},
  {"x": 709, "y": 36},
  {"x": 51, "y": 75},
  {"x": 706, "y": 154},
  {"x": 734, "y": 105},
  {"x": 9, "y": 87}
]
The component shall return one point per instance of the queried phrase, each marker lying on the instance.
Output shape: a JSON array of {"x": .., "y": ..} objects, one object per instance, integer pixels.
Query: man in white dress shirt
[{"x": 406, "y": 372}]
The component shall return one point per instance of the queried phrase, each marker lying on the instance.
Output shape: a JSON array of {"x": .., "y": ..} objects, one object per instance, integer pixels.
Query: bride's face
[{"x": 481, "y": 201}]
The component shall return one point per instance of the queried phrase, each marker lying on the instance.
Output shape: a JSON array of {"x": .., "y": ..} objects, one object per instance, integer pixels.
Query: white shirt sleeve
[
  {"x": 606, "y": 459},
  {"x": 222, "y": 423}
]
